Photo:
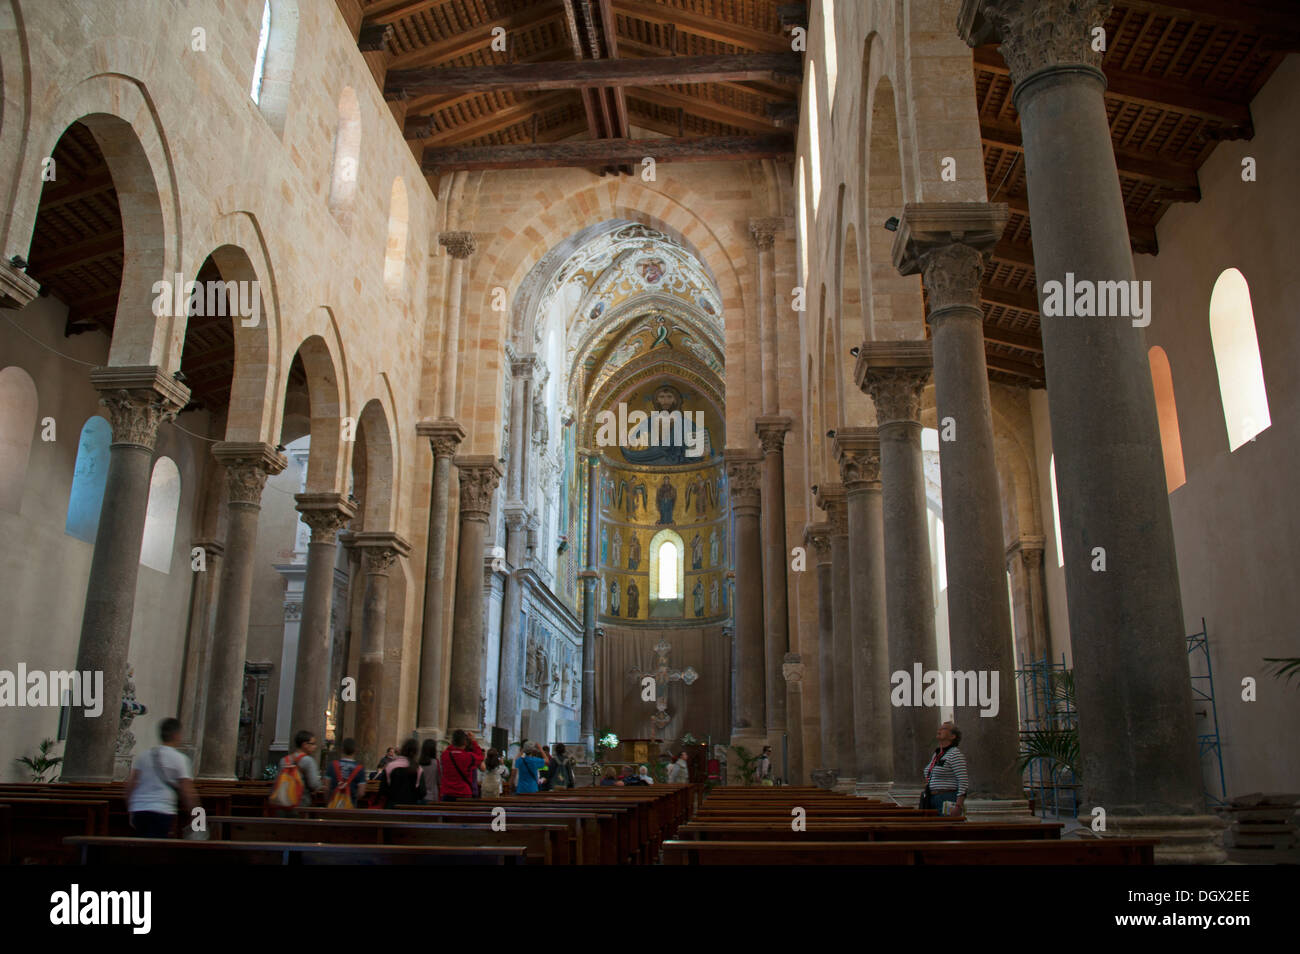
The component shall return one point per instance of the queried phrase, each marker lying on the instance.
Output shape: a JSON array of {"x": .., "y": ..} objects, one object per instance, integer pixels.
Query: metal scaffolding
[{"x": 1207, "y": 715}]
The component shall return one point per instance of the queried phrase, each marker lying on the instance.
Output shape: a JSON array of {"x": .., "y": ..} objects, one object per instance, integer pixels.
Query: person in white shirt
[
  {"x": 679, "y": 772},
  {"x": 159, "y": 779}
]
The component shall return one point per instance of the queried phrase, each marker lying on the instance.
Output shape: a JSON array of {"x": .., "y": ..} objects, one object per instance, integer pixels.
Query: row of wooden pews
[
  {"x": 810, "y": 826},
  {"x": 76, "y": 823}
]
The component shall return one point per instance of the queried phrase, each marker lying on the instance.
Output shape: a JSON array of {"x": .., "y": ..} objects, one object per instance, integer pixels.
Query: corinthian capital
[
  {"x": 949, "y": 244},
  {"x": 247, "y": 467},
  {"x": 771, "y": 433},
  {"x": 1035, "y": 34},
  {"x": 744, "y": 477},
  {"x": 818, "y": 537},
  {"x": 458, "y": 244},
  {"x": 858, "y": 451},
  {"x": 832, "y": 499},
  {"x": 138, "y": 399},
  {"x": 444, "y": 434},
  {"x": 897, "y": 393},
  {"x": 326, "y": 514},
  {"x": 792, "y": 669},
  {"x": 479, "y": 477},
  {"x": 763, "y": 232},
  {"x": 379, "y": 550}
]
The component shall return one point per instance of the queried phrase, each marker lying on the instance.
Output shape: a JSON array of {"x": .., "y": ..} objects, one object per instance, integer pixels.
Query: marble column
[
  {"x": 792, "y": 672},
  {"x": 858, "y": 451},
  {"x": 460, "y": 246},
  {"x": 444, "y": 437},
  {"x": 832, "y": 499},
  {"x": 949, "y": 244},
  {"x": 776, "y": 629},
  {"x": 379, "y": 552},
  {"x": 894, "y": 373},
  {"x": 590, "y": 577},
  {"x": 763, "y": 232},
  {"x": 817, "y": 538},
  {"x": 744, "y": 476},
  {"x": 1126, "y": 621},
  {"x": 138, "y": 399},
  {"x": 479, "y": 476},
  {"x": 247, "y": 467},
  {"x": 198, "y": 647},
  {"x": 325, "y": 514},
  {"x": 512, "y": 605}
]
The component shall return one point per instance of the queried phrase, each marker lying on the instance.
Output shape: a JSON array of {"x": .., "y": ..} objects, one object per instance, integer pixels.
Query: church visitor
[
  {"x": 458, "y": 764},
  {"x": 528, "y": 768},
  {"x": 493, "y": 775},
  {"x": 158, "y": 779},
  {"x": 388, "y": 757},
  {"x": 298, "y": 770},
  {"x": 429, "y": 766},
  {"x": 610, "y": 777},
  {"x": 402, "y": 782},
  {"x": 561, "y": 773},
  {"x": 544, "y": 782},
  {"x": 763, "y": 768},
  {"x": 643, "y": 774},
  {"x": 346, "y": 773},
  {"x": 945, "y": 776},
  {"x": 679, "y": 772}
]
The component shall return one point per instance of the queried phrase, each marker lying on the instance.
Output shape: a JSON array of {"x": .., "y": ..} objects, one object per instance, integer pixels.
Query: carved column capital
[
  {"x": 517, "y": 519},
  {"x": 763, "y": 232},
  {"x": 379, "y": 550},
  {"x": 459, "y": 245},
  {"x": 771, "y": 432},
  {"x": 857, "y": 449},
  {"x": 894, "y": 373},
  {"x": 444, "y": 434},
  {"x": 1035, "y": 34},
  {"x": 1029, "y": 549},
  {"x": 744, "y": 479},
  {"x": 326, "y": 514},
  {"x": 524, "y": 367},
  {"x": 138, "y": 399},
  {"x": 248, "y": 464},
  {"x": 818, "y": 537},
  {"x": 792, "y": 669},
  {"x": 833, "y": 499},
  {"x": 479, "y": 477},
  {"x": 949, "y": 244}
]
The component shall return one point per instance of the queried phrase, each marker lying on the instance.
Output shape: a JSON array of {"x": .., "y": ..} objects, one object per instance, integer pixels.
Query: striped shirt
[{"x": 947, "y": 772}]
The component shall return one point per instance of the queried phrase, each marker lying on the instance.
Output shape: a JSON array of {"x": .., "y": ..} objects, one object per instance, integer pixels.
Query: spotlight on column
[
  {"x": 891, "y": 223},
  {"x": 854, "y": 351},
  {"x": 831, "y": 432}
]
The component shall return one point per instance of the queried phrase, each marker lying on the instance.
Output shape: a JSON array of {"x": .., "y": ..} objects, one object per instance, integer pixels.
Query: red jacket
[{"x": 458, "y": 767}]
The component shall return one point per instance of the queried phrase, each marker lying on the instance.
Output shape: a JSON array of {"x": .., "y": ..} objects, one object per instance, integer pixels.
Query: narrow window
[
  {"x": 667, "y": 571},
  {"x": 263, "y": 43},
  {"x": 1162, "y": 382},
  {"x": 1236, "y": 355},
  {"x": 160, "y": 515},
  {"x": 89, "y": 476},
  {"x": 1056, "y": 515}
]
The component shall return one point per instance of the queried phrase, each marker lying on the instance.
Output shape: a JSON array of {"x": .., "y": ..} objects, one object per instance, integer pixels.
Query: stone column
[
  {"x": 744, "y": 476},
  {"x": 817, "y": 537},
  {"x": 512, "y": 605},
  {"x": 479, "y": 476},
  {"x": 247, "y": 467},
  {"x": 590, "y": 577},
  {"x": 460, "y": 246},
  {"x": 763, "y": 232},
  {"x": 948, "y": 243},
  {"x": 776, "y": 630},
  {"x": 1025, "y": 564},
  {"x": 444, "y": 437},
  {"x": 894, "y": 373},
  {"x": 1126, "y": 622},
  {"x": 138, "y": 399},
  {"x": 792, "y": 671},
  {"x": 832, "y": 499},
  {"x": 326, "y": 514},
  {"x": 379, "y": 551},
  {"x": 858, "y": 451},
  {"x": 198, "y": 647}
]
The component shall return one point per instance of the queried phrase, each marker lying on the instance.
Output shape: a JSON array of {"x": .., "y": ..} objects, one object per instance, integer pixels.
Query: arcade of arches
[{"x": 336, "y": 395}]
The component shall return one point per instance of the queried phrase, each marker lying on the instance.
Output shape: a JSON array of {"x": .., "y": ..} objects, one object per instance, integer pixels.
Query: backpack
[
  {"x": 342, "y": 797},
  {"x": 287, "y": 790}
]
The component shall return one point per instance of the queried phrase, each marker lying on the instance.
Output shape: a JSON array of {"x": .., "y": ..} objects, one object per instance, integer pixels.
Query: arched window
[
  {"x": 1236, "y": 355},
  {"x": 89, "y": 476},
  {"x": 1056, "y": 514},
  {"x": 667, "y": 571},
  {"x": 160, "y": 515},
  {"x": 395, "y": 254},
  {"x": 814, "y": 142},
  {"x": 801, "y": 220},
  {"x": 259, "y": 62},
  {"x": 1162, "y": 381},
  {"x": 277, "y": 39},
  {"x": 17, "y": 427},
  {"x": 347, "y": 155}
]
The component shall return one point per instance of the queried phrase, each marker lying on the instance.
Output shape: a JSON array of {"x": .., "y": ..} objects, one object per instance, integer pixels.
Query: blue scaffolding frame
[
  {"x": 1208, "y": 742},
  {"x": 1054, "y": 789}
]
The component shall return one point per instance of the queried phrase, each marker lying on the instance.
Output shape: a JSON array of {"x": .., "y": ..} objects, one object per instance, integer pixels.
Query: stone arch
[
  {"x": 18, "y": 420},
  {"x": 379, "y": 459},
  {"x": 122, "y": 116},
  {"x": 321, "y": 355},
  {"x": 15, "y": 108}
]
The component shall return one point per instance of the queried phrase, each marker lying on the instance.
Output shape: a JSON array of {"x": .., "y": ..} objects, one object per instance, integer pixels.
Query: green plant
[
  {"x": 748, "y": 763},
  {"x": 43, "y": 762},
  {"x": 1058, "y": 742},
  {"x": 1285, "y": 668}
]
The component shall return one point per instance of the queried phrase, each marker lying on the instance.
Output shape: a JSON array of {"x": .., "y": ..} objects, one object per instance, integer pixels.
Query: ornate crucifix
[{"x": 662, "y": 675}]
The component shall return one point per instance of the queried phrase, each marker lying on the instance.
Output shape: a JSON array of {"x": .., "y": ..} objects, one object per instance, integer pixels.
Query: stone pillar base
[
  {"x": 824, "y": 778},
  {"x": 428, "y": 732},
  {"x": 1261, "y": 821},
  {"x": 876, "y": 790},
  {"x": 844, "y": 786},
  {"x": 998, "y": 810},
  {"x": 905, "y": 796},
  {"x": 1184, "y": 839}
]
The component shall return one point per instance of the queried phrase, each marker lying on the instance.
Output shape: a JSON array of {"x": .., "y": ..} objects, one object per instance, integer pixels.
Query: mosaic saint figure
[
  {"x": 633, "y": 599},
  {"x": 666, "y": 500},
  {"x": 697, "y": 552},
  {"x": 634, "y": 553},
  {"x": 613, "y": 597},
  {"x": 697, "y": 598}
]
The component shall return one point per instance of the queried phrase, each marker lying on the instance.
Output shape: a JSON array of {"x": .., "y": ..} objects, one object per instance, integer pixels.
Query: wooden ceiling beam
[
  {"x": 702, "y": 25},
  {"x": 391, "y": 11},
  {"x": 705, "y": 109},
  {"x": 1010, "y": 297},
  {"x": 497, "y": 120},
  {"x": 603, "y": 152},
  {"x": 1160, "y": 172},
  {"x": 1258, "y": 15},
  {"x": 1014, "y": 253},
  {"x": 664, "y": 71},
  {"x": 1145, "y": 91},
  {"x": 478, "y": 38},
  {"x": 101, "y": 246},
  {"x": 62, "y": 193},
  {"x": 769, "y": 91},
  {"x": 1020, "y": 340},
  {"x": 423, "y": 105},
  {"x": 1024, "y": 369}
]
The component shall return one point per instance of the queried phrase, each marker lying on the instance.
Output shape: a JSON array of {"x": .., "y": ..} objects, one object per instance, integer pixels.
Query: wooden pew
[
  {"x": 39, "y": 825},
  {"x": 943, "y": 830},
  {"x": 1041, "y": 852},
  {"x": 543, "y": 844},
  {"x": 119, "y": 823},
  {"x": 160, "y": 851}
]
